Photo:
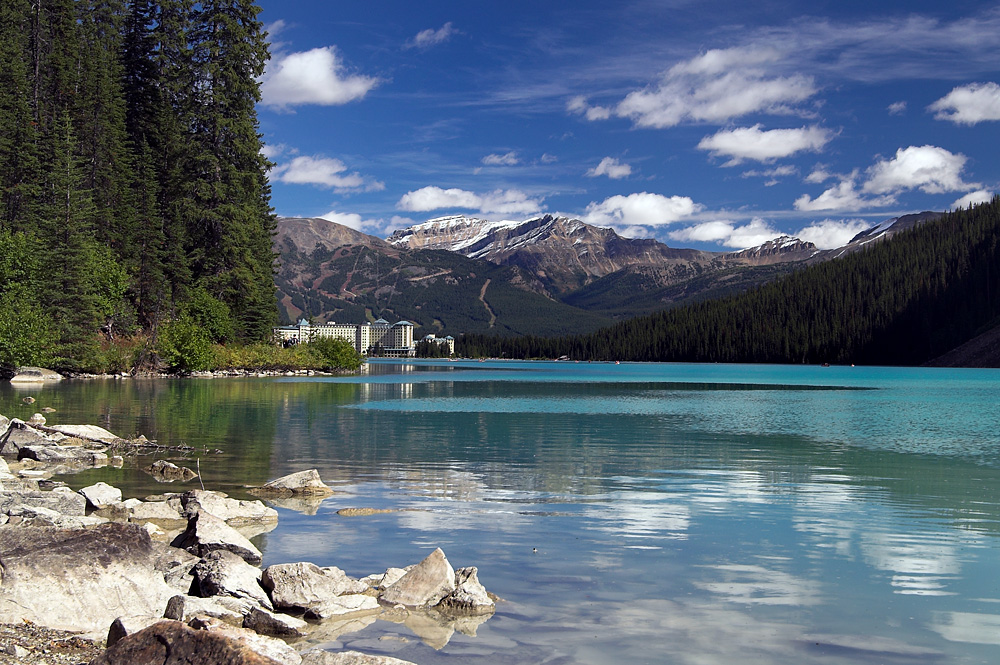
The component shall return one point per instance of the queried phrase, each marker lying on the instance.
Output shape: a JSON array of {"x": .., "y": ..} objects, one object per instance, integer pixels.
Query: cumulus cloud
[
  {"x": 717, "y": 86},
  {"x": 580, "y": 106},
  {"x": 430, "y": 37},
  {"x": 830, "y": 233},
  {"x": 969, "y": 104},
  {"x": 503, "y": 202},
  {"x": 312, "y": 77},
  {"x": 323, "y": 172},
  {"x": 728, "y": 234},
  {"x": 842, "y": 196},
  {"x": 928, "y": 168},
  {"x": 973, "y": 198},
  {"x": 897, "y": 108},
  {"x": 349, "y": 219},
  {"x": 507, "y": 159},
  {"x": 745, "y": 143},
  {"x": 612, "y": 168},
  {"x": 819, "y": 175},
  {"x": 641, "y": 209},
  {"x": 272, "y": 151}
]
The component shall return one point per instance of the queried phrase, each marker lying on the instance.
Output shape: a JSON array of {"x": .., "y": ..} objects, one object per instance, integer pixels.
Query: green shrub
[{"x": 185, "y": 346}]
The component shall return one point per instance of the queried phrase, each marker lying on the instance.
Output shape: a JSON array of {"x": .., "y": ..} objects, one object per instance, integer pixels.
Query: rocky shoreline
[{"x": 121, "y": 577}]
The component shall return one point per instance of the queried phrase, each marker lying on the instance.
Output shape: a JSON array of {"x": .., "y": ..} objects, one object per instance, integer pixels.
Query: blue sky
[{"x": 716, "y": 125}]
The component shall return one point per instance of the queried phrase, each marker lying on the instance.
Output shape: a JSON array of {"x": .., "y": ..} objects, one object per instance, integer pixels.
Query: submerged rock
[
  {"x": 35, "y": 375},
  {"x": 303, "y": 482},
  {"x": 168, "y": 472}
]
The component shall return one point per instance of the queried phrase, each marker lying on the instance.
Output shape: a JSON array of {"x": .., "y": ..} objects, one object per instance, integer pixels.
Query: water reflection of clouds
[
  {"x": 758, "y": 585},
  {"x": 640, "y": 515},
  {"x": 967, "y": 627},
  {"x": 923, "y": 563}
]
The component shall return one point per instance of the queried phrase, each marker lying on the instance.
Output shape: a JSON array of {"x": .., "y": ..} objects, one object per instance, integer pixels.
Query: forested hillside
[
  {"x": 132, "y": 186},
  {"x": 904, "y": 301}
]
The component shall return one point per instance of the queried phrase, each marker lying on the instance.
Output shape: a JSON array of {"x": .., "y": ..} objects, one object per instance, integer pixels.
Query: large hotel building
[{"x": 391, "y": 340}]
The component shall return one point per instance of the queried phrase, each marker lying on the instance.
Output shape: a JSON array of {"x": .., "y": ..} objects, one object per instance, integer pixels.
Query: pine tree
[{"x": 231, "y": 233}]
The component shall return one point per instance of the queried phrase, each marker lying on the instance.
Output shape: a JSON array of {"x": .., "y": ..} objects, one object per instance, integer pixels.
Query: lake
[{"x": 633, "y": 513}]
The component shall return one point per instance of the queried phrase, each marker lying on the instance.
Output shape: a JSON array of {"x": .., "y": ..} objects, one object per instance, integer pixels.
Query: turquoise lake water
[{"x": 633, "y": 513}]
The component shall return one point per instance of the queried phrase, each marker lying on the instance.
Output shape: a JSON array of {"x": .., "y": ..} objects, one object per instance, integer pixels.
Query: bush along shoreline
[
  {"x": 130, "y": 578},
  {"x": 185, "y": 352}
]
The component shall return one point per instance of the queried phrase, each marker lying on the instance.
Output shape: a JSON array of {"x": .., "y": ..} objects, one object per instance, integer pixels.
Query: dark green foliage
[
  {"x": 903, "y": 301},
  {"x": 336, "y": 353},
  {"x": 129, "y": 145}
]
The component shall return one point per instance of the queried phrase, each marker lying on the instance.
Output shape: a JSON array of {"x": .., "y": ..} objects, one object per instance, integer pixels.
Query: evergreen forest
[
  {"x": 133, "y": 191},
  {"x": 902, "y": 301}
]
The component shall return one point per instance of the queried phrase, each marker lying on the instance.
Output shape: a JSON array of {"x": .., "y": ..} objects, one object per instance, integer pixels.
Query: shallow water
[{"x": 641, "y": 513}]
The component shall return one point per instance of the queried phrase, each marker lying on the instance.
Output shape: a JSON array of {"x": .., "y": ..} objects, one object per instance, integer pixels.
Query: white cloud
[
  {"x": 612, "y": 168},
  {"x": 503, "y": 202},
  {"x": 548, "y": 159},
  {"x": 819, "y": 175},
  {"x": 728, "y": 234},
  {"x": 931, "y": 169},
  {"x": 705, "y": 232},
  {"x": 764, "y": 146},
  {"x": 641, "y": 209},
  {"x": 323, "y": 172},
  {"x": 969, "y": 104},
  {"x": 717, "y": 86},
  {"x": 842, "y": 196},
  {"x": 928, "y": 168},
  {"x": 579, "y": 105},
  {"x": 358, "y": 223},
  {"x": 777, "y": 172},
  {"x": 312, "y": 77},
  {"x": 973, "y": 198},
  {"x": 830, "y": 233},
  {"x": 349, "y": 219},
  {"x": 754, "y": 233},
  {"x": 507, "y": 159},
  {"x": 897, "y": 108},
  {"x": 430, "y": 37},
  {"x": 272, "y": 151}
]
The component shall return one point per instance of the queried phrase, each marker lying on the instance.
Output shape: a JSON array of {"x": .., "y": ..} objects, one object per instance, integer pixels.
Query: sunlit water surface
[{"x": 634, "y": 513}]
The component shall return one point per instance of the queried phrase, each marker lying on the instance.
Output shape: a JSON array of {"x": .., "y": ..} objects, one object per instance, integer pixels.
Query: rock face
[
  {"x": 100, "y": 495},
  {"x": 469, "y": 596},
  {"x": 424, "y": 585},
  {"x": 207, "y": 533},
  {"x": 78, "y": 579},
  {"x": 222, "y": 573},
  {"x": 299, "y": 586},
  {"x": 303, "y": 482},
  {"x": 173, "y": 643}
]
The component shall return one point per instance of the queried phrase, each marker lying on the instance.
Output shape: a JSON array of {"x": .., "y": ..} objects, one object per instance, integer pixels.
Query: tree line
[
  {"x": 133, "y": 190},
  {"x": 902, "y": 301}
]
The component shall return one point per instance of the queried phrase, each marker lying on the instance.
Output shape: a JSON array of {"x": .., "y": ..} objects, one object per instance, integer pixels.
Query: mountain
[
  {"x": 332, "y": 273},
  {"x": 930, "y": 295},
  {"x": 564, "y": 254},
  {"x": 540, "y": 276}
]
